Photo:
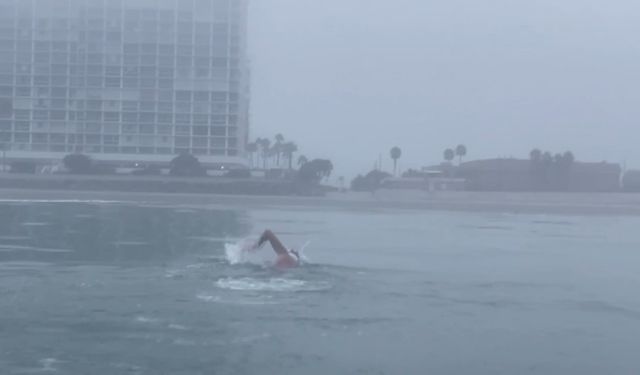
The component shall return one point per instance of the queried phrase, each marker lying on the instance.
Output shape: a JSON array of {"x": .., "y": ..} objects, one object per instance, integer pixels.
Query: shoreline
[{"x": 607, "y": 204}]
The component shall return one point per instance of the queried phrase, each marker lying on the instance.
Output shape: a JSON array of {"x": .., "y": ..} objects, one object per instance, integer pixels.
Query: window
[
  {"x": 165, "y": 84},
  {"x": 218, "y": 96},
  {"x": 130, "y": 129},
  {"x": 22, "y": 126},
  {"x": 165, "y": 118},
  {"x": 58, "y": 115},
  {"x": 147, "y": 117},
  {"x": 147, "y": 82},
  {"x": 94, "y": 81},
  {"x": 21, "y": 137},
  {"x": 94, "y": 139},
  {"x": 113, "y": 71},
  {"x": 181, "y": 129},
  {"x": 183, "y": 118},
  {"x": 111, "y": 128},
  {"x": 93, "y": 116},
  {"x": 59, "y": 80},
  {"x": 200, "y": 142},
  {"x": 41, "y": 80},
  {"x": 129, "y": 105},
  {"x": 217, "y": 142},
  {"x": 165, "y": 106},
  {"x": 219, "y": 131},
  {"x": 165, "y": 129},
  {"x": 94, "y": 104},
  {"x": 111, "y": 140},
  {"x": 113, "y": 82},
  {"x": 201, "y": 119},
  {"x": 182, "y": 142},
  {"x": 184, "y": 61},
  {"x": 39, "y": 138},
  {"x": 23, "y": 91},
  {"x": 148, "y": 60},
  {"x": 201, "y": 130},
  {"x": 112, "y": 116},
  {"x": 218, "y": 120},
  {"x": 130, "y": 117},
  {"x": 95, "y": 70},
  {"x": 147, "y": 129},
  {"x": 183, "y": 107},
  {"x": 147, "y": 106}
]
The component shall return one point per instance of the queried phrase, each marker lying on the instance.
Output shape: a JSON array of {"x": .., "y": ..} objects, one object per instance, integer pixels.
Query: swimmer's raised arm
[{"x": 278, "y": 247}]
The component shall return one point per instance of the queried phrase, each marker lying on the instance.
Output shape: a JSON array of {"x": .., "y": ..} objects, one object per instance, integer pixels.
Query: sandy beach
[{"x": 536, "y": 203}]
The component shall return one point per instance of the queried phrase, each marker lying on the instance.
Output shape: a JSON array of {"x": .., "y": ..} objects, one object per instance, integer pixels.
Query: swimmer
[{"x": 286, "y": 258}]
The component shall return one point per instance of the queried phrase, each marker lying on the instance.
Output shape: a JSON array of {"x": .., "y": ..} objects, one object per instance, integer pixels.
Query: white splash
[
  {"x": 48, "y": 364},
  {"x": 177, "y": 327},
  {"x": 146, "y": 320},
  {"x": 271, "y": 285},
  {"x": 240, "y": 252}
]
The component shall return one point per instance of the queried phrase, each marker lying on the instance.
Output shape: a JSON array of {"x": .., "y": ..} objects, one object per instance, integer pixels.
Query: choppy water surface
[{"x": 110, "y": 288}]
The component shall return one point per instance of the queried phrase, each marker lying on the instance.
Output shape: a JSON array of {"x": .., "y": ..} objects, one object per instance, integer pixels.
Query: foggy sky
[{"x": 349, "y": 79}]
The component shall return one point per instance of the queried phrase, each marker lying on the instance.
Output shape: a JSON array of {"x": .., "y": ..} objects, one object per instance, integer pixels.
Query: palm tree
[
  {"x": 265, "y": 143},
  {"x": 302, "y": 160},
  {"x": 288, "y": 149},
  {"x": 252, "y": 148},
  {"x": 277, "y": 147},
  {"x": 395, "y": 153},
  {"x": 461, "y": 151},
  {"x": 449, "y": 154}
]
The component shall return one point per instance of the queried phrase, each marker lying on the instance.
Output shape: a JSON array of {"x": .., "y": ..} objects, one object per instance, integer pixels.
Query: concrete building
[{"x": 124, "y": 80}]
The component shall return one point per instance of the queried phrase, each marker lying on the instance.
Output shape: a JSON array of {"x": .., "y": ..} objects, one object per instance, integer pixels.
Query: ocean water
[{"x": 114, "y": 288}]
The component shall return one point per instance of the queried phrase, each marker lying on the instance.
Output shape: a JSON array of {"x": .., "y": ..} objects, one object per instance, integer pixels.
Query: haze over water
[{"x": 115, "y": 288}]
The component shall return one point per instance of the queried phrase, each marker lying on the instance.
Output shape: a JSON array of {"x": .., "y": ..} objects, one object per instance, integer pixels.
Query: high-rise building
[{"x": 124, "y": 80}]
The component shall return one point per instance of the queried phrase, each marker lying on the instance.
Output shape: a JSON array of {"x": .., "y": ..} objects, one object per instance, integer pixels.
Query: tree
[
  {"x": 78, "y": 163},
  {"x": 568, "y": 158},
  {"x": 186, "y": 165},
  {"x": 315, "y": 170},
  {"x": 288, "y": 149},
  {"x": 449, "y": 154},
  {"x": 302, "y": 160},
  {"x": 395, "y": 153},
  {"x": 252, "y": 148},
  {"x": 461, "y": 151},
  {"x": 535, "y": 155},
  {"x": 370, "y": 182}
]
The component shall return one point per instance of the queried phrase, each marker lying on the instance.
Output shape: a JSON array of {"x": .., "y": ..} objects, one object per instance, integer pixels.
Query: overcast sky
[{"x": 349, "y": 79}]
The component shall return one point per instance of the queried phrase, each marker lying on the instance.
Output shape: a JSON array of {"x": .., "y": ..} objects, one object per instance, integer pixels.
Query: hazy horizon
[{"x": 347, "y": 80}]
